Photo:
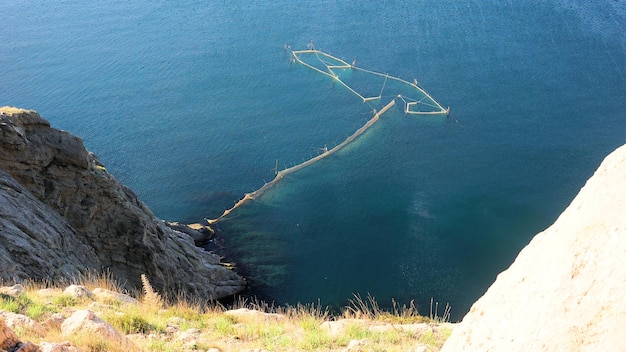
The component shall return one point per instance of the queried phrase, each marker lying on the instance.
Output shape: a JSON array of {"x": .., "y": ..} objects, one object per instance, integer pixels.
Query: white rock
[
  {"x": 417, "y": 329},
  {"x": 189, "y": 335},
  {"x": 78, "y": 291},
  {"x": 57, "y": 347},
  {"x": 245, "y": 313},
  {"x": 54, "y": 321},
  {"x": 22, "y": 322},
  {"x": 14, "y": 290},
  {"x": 565, "y": 291},
  {"x": 338, "y": 327},
  {"x": 104, "y": 294},
  {"x": 48, "y": 292},
  {"x": 354, "y": 345},
  {"x": 85, "y": 321}
]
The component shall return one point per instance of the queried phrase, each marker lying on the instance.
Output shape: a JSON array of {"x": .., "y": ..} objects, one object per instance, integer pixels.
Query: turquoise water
[{"x": 191, "y": 104}]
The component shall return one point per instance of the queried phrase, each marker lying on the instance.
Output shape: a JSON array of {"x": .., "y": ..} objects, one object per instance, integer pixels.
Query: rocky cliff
[
  {"x": 62, "y": 213},
  {"x": 565, "y": 291}
]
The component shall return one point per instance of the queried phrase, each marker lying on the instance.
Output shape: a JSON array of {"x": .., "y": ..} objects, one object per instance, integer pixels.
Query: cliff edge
[
  {"x": 565, "y": 291},
  {"x": 62, "y": 213}
]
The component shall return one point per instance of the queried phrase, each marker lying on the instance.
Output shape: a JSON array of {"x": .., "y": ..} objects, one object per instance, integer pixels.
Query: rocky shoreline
[{"x": 63, "y": 214}]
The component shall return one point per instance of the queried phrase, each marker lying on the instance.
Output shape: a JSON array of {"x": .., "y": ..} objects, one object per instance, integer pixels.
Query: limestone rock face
[
  {"x": 565, "y": 290},
  {"x": 61, "y": 213},
  {"x": 36, "y": 242}
]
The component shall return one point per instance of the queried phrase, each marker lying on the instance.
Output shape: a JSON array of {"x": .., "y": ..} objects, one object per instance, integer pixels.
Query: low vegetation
[{"x": 151, "y": 323}]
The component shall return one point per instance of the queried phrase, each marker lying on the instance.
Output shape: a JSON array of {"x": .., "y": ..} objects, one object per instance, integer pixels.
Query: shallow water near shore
[{"x": 191, "y": 105}]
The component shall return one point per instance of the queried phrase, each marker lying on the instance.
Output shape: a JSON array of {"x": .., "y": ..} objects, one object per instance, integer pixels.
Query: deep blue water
[{"x": 191, "y": 104}]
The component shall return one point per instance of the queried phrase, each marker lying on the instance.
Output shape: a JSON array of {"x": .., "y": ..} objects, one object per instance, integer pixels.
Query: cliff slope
[
  {"x": 565, "y": 290},
  {"x": 61, "y": 213}
]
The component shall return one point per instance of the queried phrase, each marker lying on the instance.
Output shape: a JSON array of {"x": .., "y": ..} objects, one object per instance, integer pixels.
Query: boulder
[
  {"x": 77, "y": 291},
  {"x": 253, "y": 315},
  {"x": 65, "y": 214},
  {"x": 8, "y": 339},
  {"x": 57, "y": 347},
  {"x": 201, "y": 234},
  {"x": 22, "y": 322},
  {"x": 565, "y": 290},
  {"x": 87, "y": 322},
  {"x": 54, "y": 321},
  {"x": 14, "y": 290},
  {"x": 107, "y": 295}
]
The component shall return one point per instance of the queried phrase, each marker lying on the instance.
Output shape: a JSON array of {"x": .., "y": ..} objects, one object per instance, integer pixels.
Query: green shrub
[
  {"x": 22, "y": 304},
  {"x": 131, "y": 324},
  {"x": 224, "y": 324},
  {"x": 9, "y": 304},
  {"x": 65, "y": 300},
  {"x": 36, "y": 310}
]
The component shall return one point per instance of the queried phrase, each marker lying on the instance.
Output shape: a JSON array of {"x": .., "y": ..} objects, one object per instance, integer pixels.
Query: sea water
[{"x": 192, "y": 105}]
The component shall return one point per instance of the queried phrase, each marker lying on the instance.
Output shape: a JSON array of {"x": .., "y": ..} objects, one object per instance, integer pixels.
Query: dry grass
[
  {"x": 153, "y": 324},
  {"x": 150, "y": 297},
  {"x": 12, "y": 110}
]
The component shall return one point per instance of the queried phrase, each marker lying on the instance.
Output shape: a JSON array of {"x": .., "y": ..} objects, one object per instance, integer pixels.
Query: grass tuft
[{"x": 151, "y": 298}]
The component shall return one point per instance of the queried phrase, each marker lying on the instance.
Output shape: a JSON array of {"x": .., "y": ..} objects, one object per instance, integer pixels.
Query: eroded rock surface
[
  {"x": 61, "y": 213},
  {"x": 565, "y": 291}
]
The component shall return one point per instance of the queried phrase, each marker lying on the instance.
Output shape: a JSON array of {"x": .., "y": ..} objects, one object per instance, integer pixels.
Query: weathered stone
[
  {"x": 189, "y": 335},
  {"x": 338, "y": 327},
  {"x": 8, "y": 339},
  {"x": 565, "y": 290},
  {"x": 416, "y": 329},
  {"x": 58, "y": 347},
  {"x": 54, "y": 321},
  {"x": 200, "y": 234},
  {"x": 48, "y": 292},
  {"x": 14, "y": 290},
  {"x": 62, "y": 213},
  {"x": 22, "y": 322},
  {"x": 85, "y": 321},
  {"x": 77, "y": 291},
  {"x": 253, "y": 315},
  {"x": 107, "y": 295},
  {"x": 36, "y": 242},
  {"x": 355, "y": 345}
]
